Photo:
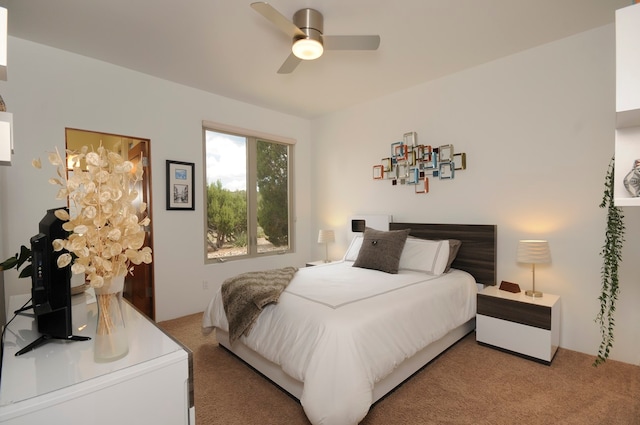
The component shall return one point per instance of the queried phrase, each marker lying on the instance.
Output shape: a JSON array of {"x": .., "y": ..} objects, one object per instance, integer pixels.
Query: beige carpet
[{"x": 469, "y": 384}]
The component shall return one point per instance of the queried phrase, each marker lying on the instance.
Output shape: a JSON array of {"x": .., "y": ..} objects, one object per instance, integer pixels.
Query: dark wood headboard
[{"x": 477, "y": 254}]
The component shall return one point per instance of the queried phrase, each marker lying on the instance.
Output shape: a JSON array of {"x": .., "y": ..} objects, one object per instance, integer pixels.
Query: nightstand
[
  {"x": 522, "y": 325},
  {"x": 316, "y": 263}
]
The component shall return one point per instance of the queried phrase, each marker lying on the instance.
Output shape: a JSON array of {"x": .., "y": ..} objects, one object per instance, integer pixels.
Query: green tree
[
  {"x": 273, "y": 183},
  {"x": 226, "y": 212}
]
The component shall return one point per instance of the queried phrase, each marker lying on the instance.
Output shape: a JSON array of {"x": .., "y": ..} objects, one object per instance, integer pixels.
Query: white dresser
[{"x": 59, "y": 382}]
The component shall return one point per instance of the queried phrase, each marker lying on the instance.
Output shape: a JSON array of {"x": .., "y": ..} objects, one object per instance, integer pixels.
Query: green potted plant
[{"x": 22, "y": 258}]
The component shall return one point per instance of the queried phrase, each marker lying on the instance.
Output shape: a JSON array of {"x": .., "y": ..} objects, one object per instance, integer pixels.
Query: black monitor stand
[{"x": 45, "y": 337}]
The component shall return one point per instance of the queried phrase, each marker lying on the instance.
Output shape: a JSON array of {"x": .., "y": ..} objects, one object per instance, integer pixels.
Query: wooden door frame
[{"x": 109, "y": 140}]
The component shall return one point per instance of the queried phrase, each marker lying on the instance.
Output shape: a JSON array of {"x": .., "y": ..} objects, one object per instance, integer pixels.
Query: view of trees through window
[{"x": 247, "y": 197}]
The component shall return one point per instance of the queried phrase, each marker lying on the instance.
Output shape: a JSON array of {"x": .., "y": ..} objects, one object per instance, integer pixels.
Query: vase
[
  {"x": 111, "y": 341},
  {"x": 632, "y": 180}
]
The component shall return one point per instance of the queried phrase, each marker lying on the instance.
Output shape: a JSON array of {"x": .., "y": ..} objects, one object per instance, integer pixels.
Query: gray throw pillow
[
  {"x": 454, "y": 247},
  {"x": 381, "y": 250}
]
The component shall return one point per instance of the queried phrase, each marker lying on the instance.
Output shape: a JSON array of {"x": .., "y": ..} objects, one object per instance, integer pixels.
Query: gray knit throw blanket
[{"x": 245, "y": 295}]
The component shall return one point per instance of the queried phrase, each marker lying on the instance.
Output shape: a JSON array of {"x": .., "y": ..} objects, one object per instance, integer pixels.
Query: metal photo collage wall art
[{"x": 412, "y": 164}]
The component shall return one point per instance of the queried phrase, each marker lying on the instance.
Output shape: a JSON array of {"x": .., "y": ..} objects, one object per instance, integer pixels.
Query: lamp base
[{"x": 534, "y": 294}]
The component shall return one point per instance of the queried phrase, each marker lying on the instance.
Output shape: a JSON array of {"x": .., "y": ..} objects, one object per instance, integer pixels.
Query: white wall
[
  {"x": 538, "y": 131},
  {"x": 48, "y": 90}
]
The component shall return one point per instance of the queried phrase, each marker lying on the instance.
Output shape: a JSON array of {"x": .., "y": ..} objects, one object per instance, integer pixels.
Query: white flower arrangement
[{"x": 106, "y": 236}]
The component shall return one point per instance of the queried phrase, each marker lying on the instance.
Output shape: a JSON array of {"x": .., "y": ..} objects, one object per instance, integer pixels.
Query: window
[{"x": 248, "y": 194}]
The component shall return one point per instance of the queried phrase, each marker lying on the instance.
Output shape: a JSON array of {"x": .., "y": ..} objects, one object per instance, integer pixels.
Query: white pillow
[
  {"x": 354, "y": 248},
  {"x": 424, "y": 255}
]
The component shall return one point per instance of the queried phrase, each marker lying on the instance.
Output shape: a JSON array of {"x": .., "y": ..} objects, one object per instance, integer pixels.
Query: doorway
[{"x": 139, "y": 287}]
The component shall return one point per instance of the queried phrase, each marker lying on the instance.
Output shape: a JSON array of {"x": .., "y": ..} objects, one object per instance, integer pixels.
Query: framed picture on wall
[
  {"x": 460, "y": 161},
  {"x": 387, "y": 164},
  {"x": 446, "y": 170},
  {"x": 378, "y": 171},
  {"x": 423, "y": 185},
  {"x": 180, "y": 183},
  {"x": 445, "y": 153},
  {"x": 409, "y": 139}
]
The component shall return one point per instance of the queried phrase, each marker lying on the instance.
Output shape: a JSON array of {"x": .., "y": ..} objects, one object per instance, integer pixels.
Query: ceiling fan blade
[
  {"x": 285, "y": 25},
  {"x": 289, "y": 64},
  {"x": 351, "y": 42}
]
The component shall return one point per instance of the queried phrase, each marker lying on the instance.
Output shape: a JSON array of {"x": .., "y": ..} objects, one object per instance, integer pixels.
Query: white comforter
[{"x": 340, "y": 329}]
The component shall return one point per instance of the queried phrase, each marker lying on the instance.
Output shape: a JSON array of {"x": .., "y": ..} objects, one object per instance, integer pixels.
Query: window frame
[{"x": 252, "y": 137}]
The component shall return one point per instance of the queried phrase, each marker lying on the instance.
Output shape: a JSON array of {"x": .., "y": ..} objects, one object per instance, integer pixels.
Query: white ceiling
[{"x": 225, "y": 47}]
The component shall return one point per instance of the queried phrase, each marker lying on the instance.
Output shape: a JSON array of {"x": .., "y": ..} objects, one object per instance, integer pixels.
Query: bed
[{"x": 342, "y": 337}]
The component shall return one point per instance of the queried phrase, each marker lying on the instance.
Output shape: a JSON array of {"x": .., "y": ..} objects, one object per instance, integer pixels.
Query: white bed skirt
[{"x": 400, "y": 374}]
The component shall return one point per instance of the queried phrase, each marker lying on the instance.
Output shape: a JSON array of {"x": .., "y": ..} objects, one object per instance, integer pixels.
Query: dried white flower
[
  {"x": 62, "y": 214},
  {"x": 58, "y": 245},
  {"x": 55, "y": 159},
  {"x": 64, "y": 260},
  {"x": 106, "y": 234}
]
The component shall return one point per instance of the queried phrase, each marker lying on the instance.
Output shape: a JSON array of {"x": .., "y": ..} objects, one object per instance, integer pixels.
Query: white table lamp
[
  {"x": 326, "y": 237},
  {"x": 533, "y": 252}
]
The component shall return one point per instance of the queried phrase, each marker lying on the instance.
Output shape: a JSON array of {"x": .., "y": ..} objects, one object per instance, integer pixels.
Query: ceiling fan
[{"x": 308, "y": 40}]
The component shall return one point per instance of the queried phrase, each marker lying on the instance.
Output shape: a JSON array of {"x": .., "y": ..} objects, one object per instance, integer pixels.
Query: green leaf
[
  {"x": 18, "y": 260},
  {"x": 9, "y": 263},
  {"x": 25, "y": 255},
  {"x": 27, "y": 271}
]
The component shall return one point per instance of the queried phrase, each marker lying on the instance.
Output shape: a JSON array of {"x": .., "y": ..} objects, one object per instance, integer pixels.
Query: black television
[{"x": 50, "y": 285}]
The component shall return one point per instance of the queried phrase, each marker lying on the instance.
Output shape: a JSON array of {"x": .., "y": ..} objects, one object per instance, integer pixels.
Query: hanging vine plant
[{"x": 612, "y": 255}]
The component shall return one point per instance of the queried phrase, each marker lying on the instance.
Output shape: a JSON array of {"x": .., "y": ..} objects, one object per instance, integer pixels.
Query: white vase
[
  {"x": 111, "y": 341},
  {"x": 77, "y": 280},
  {"x": 632, "y": 180}
]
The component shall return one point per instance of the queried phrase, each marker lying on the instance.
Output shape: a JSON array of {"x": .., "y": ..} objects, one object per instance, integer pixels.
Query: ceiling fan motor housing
[{"x": 310, "y": 21}]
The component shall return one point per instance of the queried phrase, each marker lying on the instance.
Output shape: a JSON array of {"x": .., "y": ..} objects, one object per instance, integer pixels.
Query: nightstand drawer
[
  {"x": 528, "y": 341},
  {"x": 535, "y": 315}
]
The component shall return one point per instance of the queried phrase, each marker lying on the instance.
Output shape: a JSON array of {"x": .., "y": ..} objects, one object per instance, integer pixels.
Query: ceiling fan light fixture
[
  {"x": 307, "y": 49},
  {"x": 308, "y": 42}
]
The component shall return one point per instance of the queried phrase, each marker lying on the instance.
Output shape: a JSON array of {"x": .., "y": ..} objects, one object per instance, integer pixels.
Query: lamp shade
[
  {"x": 326, "y": 236},
  {"x": 6, "y": 137},
  {"x": 533, "y": 252}
]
